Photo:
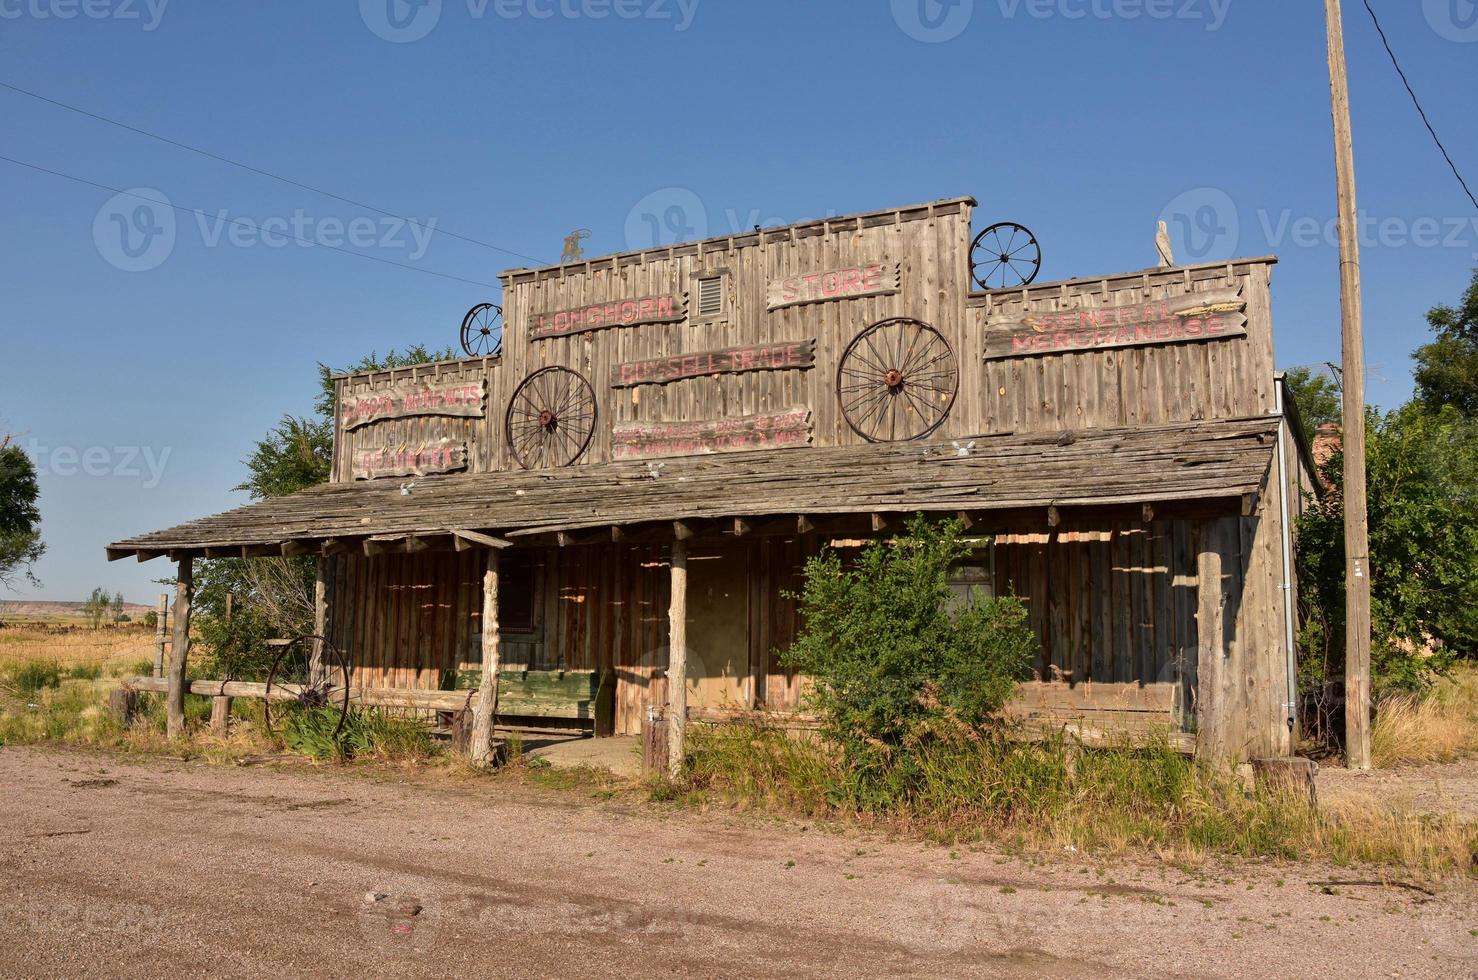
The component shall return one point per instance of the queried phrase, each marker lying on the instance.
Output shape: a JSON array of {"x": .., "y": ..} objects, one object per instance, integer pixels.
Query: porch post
[
  {"x": 320, "y": 617},
  {"x": 486, "y": 705},
  {"x": 179, "y": 650},
  {"x": 677, "y": 661},
  {"x": 1216, "y": 567}
]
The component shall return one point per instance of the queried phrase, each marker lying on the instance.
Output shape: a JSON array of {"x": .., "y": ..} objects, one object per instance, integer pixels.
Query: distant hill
[{"x": 35, "y": 609}]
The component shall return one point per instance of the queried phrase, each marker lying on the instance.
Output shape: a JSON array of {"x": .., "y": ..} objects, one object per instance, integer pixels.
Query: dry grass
[
  {"x": 1441, "y": 727},
  {"x": 111, "y": 649}
]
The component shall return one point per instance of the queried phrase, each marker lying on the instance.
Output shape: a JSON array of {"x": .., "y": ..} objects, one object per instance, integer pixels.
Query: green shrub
[
  {"x": 31, "y": 676},
  {"x": 897, "y": 659},
  {"x": 311, "y": 732}
]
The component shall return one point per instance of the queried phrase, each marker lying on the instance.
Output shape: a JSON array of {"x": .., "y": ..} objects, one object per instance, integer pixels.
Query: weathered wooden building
[{"x": 666, "y": 435}]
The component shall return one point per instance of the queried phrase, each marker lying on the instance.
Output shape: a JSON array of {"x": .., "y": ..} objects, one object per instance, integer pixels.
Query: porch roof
[{"x": 1217, "y": 465}]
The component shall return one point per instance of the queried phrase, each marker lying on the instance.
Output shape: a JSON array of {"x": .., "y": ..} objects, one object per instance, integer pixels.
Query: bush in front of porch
[{"x": 898, "y": 663}]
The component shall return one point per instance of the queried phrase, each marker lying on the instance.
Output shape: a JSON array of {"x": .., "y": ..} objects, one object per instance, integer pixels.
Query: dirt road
[{"x": 156, "y": 868}]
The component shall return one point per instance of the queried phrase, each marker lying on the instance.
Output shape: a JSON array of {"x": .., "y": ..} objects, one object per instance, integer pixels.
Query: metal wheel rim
[
  {"x": 867, "y": 379},
  {"x": 333, "y": 690},
  {"x": 482, "y": 330},
  {"x": 551, "y": 419},
  {"x": 1016, "y": 258}
]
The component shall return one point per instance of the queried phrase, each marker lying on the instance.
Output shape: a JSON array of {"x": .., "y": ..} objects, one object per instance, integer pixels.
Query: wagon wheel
[
  {"x": 1005, "y": 255},
  {"x": 482, "y": 330},
  {"x": 550, "y": 419},
  {"x": 897, "y": 380},
  {"x": 295, "y": 685}
]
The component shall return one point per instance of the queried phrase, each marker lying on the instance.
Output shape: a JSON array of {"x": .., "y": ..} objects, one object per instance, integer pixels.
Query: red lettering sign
[
  {"x": 616, "y": 313},
  {"x": 784, "y": 356},
  {"x": 650, "y": 440},
  {"x": 871, "y": 279},
  {"x": 1188, "y": 317},
  {"x": 461, "y": 399},
  {"x": 441, "y": 457}
]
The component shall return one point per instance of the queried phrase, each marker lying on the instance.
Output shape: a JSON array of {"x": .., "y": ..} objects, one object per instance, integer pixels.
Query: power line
[
  {"x": 1416, "y": 102},
  {"x": 264, "y": 173},
  {"x": 247, "y": 224}
]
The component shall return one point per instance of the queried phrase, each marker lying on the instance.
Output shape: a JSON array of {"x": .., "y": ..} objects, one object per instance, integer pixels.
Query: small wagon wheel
[
  {"x": 297, "y": 682},
  {"x": 482, "y": 330},
  {"x": 1005, "y": 255},
  {"x": 551, "y": 418},
  {"x": 897, "y": 380}
]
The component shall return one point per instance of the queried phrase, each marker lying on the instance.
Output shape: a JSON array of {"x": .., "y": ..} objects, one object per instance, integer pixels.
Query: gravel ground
[{"x": 152, "y": 868}]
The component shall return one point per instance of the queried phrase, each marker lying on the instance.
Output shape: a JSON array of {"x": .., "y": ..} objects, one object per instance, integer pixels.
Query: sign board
[
  {"x": 651, "y": 440},
  {"x": 1190, "y": 317},
  {"x": 441, "y": 457},
  {"x": 409, "y": 398},
  {"x": 617, "y": 313},
  {"x": 784, "y": 356},
  {"x": 868, "y": 279}
]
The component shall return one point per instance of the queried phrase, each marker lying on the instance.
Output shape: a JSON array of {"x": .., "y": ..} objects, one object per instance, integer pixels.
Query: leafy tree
[
  {"x": 1447, "y": 368},
  {"x": 296, "y": 454},
  {"x": 1422, "y": 477},
  {"x": 20, "y": 518},
  {"x": 95, "y": 609},
  {"x": 1316, "y": 395},
  {"x": 893, "y": 652},
  {"x": 117, "y": 607}
]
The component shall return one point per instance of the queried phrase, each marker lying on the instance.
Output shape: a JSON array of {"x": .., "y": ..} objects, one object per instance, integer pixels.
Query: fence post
[{"x": 161, "y": 615}]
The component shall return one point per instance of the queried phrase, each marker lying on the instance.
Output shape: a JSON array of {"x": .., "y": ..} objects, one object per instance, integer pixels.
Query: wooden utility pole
[
  {"x": 677, "y": 661},
  {"x": 1357, "y": 545}
]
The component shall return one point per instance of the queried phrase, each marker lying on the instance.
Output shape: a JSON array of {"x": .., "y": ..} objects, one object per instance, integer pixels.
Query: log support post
[
  {"x": 320, "y": 617},
  {"x": 179, "y": 650},
  {"x": 161, "y": 618},
  {"x": 485, "y": 706},
  {"x": 677, "y": 661},
  {"x": 1216, "y": 683}
]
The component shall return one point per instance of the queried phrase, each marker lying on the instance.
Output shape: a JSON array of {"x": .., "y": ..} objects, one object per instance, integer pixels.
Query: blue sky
[{"x": 141, "y": 380}]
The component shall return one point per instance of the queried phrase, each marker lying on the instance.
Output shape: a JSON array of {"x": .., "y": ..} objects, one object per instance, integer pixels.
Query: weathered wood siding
[
  {"x": 412, "y": 621},
  {"x": 1177, "y": 382}
]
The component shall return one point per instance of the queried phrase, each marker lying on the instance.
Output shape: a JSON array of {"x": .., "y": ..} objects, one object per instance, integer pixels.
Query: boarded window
[
  {"x": 710, "y": 296},
  {"x": 516, "y": 593}
]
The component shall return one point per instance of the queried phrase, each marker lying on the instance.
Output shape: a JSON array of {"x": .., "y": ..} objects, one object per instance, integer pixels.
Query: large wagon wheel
[
  {"x": 551, "y": 418},
  {"x": 897, "y": 380},
  {"x": 482, "y": 330},
  {"x": 1005, "y": 255},
  {"x": 297, "y": 684}
]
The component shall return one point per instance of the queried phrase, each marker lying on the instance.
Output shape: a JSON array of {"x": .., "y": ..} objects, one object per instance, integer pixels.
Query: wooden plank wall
[
  {"x": 483, "y": 436},
  {"x": 1128, "y": 386},
  {"x": 931, "y": 247},
  {"x": 1110, "y": 606},
  {"x": 408, "y": 621}
]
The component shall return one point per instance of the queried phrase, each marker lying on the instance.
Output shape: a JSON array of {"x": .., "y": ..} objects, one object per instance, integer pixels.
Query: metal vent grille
[{"x": 710, "y": 296}]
